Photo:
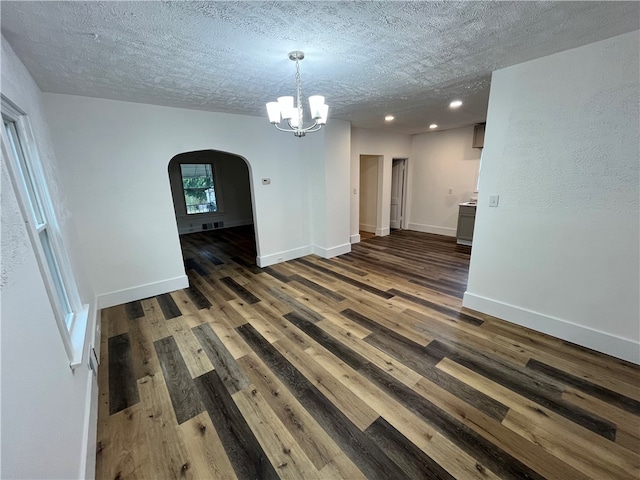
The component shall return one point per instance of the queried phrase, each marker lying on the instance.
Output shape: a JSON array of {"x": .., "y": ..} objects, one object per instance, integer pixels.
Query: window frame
[
  {"x": 216, "y": 188},
  {"x": 29, "y": 183}
]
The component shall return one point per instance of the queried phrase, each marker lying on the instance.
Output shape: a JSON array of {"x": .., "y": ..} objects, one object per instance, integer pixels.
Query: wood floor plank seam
[
  {"x": 168, "y": 306},
  {"x": 184, "y": 397},
  {"x": 243, "y": 450},
  {"x": 493, "y": 457},
  {"x": 414, "y": 356},
  {"x": 134, "y": 310},
  {"x": 549, "y": 399},
  {"x": 363, "y": 452},
  {"x": 346, "y": 279},
  {"x": 617, "y": 400}
]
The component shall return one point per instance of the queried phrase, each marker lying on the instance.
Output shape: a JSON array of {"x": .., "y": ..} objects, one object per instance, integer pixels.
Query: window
[
  {"x": 37, "y": 209},
  {"x": 199, "y": 187}
]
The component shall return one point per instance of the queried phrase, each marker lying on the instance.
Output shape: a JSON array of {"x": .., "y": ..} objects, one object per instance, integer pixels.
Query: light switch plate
[{"x": 494, "y": 200}]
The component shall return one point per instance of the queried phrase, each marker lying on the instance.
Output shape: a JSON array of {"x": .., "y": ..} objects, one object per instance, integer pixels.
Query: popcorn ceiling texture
[{"x": 367, "y": 58}]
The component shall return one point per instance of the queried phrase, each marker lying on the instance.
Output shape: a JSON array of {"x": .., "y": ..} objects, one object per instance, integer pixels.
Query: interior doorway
[
  {"x": 212, "y": 192},
  {"x": 369, "y": 194},
  {"x": 398, "y": 193}
]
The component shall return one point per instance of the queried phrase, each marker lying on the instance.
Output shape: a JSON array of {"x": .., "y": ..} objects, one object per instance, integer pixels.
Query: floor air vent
[{"x": 209, "y": 226}]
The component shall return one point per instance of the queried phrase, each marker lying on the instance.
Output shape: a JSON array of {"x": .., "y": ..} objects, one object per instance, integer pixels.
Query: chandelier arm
[
  {"x": 311, "y": 129},
  {"x": 289, "y": 130},
  {"x": 308, "y": 129}
]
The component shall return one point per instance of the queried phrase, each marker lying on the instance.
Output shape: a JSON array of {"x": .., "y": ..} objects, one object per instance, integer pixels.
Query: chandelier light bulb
[
  {"x": 315, "y": 105},
  {"x": 324, "y": 113},
  {"x": 273, "y": 110}
]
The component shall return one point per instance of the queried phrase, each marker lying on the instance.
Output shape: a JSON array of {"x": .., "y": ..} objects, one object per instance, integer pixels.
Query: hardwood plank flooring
[
  {"x": 360, "y": 366},
  {"x": 122, "y": 382}
]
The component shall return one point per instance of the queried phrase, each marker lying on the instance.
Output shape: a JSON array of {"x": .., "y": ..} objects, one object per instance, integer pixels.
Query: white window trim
[
  {"x": 216, "y": 186},
  {"x": 73, "y": 327}
]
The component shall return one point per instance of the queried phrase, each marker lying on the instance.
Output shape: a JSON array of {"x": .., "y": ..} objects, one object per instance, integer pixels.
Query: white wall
[
  {"x": 337, "y": 145},
  {"x": 560, "y": 254},
  {"x": 46, "y": 428},
  {"x": 389, "y": 146},
  {"x": 233, "y": 191},
  {"x": 327, "y": 155},
  {"x": 368, "y": 193},
  {"x": 311, "y": 153},
  {"x": 114, "y": 159},
  {"x": 441, "y": 161}
]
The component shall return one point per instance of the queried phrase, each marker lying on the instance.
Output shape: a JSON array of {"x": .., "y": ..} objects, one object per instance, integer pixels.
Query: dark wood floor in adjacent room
[{"x": 361, "y": 366}]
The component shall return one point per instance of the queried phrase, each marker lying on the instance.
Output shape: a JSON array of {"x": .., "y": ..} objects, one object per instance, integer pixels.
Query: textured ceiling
[{"x": 409, "y": 59}]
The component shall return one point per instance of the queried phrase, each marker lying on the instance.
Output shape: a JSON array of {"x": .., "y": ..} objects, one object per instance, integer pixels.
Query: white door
[{"x": 397, "y": 192}]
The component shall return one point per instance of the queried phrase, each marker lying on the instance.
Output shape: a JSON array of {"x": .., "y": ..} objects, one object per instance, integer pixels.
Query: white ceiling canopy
[{"x": 368, "y": 59}]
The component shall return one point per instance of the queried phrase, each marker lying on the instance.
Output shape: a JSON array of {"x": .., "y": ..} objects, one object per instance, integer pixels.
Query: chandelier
[{"x": 284, "y": 108}]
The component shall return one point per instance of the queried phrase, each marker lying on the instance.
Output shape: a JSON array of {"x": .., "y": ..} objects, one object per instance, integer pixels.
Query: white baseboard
[
  {"x": 266, "y": 260},
  {"x": 604, "y": 342},
  {"x": 227, "y": 224},
  {"x": 368, "y": 228},
  {"x": 88, "y": 465},
  {"x": 142, "y": 291},
  {"x": 90, "y": 428},
  {"x": 333, "y": 251},
  {"x": 381, "y": 232},
  {"x": 238, "y": 223},
  {"x": 355, "y": 238},
  {"x": 419, "y": 227}
]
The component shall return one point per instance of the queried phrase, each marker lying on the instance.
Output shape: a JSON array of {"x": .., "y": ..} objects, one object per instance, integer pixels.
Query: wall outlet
[
  {"x": 450, "y": 191},
  {"x": 494, "y": 200}
]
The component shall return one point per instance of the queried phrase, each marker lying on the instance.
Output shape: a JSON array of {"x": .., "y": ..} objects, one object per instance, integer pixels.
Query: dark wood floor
[{"x": 364, "y": 365}]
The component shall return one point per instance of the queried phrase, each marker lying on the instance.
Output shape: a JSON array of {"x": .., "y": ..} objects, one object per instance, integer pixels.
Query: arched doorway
[{"x": 212, "y": 192}]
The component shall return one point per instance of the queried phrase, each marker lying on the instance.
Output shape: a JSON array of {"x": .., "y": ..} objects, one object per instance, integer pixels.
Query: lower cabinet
[{"x": 466, "y": 221}]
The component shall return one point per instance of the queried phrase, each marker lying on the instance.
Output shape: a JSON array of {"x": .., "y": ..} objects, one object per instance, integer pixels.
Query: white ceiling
[{"x": 409, "y": 59}]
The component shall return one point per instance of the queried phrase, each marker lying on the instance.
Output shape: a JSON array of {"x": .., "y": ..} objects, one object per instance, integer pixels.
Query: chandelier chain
[{"x": 299, "y": 93}]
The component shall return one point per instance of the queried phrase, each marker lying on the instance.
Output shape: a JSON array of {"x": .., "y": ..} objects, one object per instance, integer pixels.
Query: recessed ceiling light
[
  {"x": 389, "y": 118},
  {"x": 433, "y": 125},
  {"x": 455, "y": 104}
]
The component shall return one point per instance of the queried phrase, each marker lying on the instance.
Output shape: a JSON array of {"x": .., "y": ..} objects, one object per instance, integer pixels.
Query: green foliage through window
[{"x": 199, "y": 188}]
